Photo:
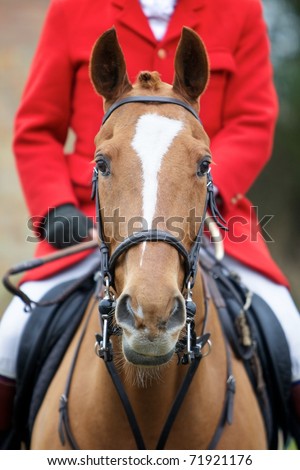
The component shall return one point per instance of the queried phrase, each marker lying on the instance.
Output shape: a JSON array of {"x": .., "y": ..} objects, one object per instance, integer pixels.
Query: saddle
[
  {"x": 256, "y": 338},
  {"x": 249, "y": 324},
  {"x": 44, "y": 341}
]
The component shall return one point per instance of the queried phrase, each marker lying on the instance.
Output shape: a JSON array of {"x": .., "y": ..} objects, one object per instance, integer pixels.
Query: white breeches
[
  {"x": 277, "y": 296},
  {"x": 14, "y": 318}
]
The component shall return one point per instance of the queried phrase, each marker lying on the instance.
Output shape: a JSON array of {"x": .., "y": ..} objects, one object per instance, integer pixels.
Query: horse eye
[
  {"x": 203, "y": 167},
  {"x": 103, "y": 166}
]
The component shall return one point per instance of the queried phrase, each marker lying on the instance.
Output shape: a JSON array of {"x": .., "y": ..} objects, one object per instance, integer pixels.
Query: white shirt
[{"x": 158, "y": 13}]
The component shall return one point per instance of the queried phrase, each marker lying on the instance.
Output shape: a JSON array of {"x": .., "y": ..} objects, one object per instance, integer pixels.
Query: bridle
[
  {"x": 189, "y": 349},
  {"x": 190, "y": 259}
]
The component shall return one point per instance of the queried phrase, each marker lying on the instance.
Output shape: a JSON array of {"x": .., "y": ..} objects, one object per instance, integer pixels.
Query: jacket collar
[{"x": 187, "y": 13}]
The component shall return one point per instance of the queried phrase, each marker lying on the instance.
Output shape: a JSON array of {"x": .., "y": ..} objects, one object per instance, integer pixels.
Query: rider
[{"x": 238, "y": 109}]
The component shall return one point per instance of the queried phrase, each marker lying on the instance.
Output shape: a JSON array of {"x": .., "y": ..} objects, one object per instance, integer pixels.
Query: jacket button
[
  {"x": 236, "y": 198},
  {"x": 162, "y": 53}
]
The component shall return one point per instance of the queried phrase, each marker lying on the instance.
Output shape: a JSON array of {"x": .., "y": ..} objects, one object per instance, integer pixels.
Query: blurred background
[{"x": 276, "y": 192}]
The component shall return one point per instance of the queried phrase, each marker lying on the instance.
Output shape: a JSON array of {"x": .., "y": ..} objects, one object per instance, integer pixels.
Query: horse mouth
[{"x": 146, "y": 360}]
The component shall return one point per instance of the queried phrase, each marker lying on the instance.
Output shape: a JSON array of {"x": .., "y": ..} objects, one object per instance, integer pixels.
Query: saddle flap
[
  {"x": 46, "y": 327},
  {"x": 258, "y": 339}
]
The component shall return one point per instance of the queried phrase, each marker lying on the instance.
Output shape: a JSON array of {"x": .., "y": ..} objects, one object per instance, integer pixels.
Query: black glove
[{"x": 65, "y": 226}]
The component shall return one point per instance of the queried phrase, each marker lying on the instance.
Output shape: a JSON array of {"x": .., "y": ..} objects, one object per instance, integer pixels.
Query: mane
[{"x": 149, "y": 80}]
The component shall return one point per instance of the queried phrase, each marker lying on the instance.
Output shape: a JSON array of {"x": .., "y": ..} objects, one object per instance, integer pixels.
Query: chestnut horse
[{"x": 152, "y": 172}]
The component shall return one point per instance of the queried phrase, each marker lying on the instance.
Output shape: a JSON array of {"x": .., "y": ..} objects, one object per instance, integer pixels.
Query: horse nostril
[
  {"x": 162, "y": 324},
  {"x": 124, "y": 312},
  {"x": 160, "y": 319},
  {"x": 177, "y": 316}
]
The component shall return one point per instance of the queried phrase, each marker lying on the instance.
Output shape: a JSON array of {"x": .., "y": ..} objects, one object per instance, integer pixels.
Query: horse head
[{"x": 152, "y": 160}]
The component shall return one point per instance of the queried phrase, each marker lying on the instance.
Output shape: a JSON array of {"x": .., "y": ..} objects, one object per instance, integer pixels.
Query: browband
[{"x": 149, "y": 99}]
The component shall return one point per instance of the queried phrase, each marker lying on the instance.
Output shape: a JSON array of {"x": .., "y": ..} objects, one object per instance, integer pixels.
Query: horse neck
[
  {"x": 152, "y": 403},
  {"x": 206, "y": 320}
]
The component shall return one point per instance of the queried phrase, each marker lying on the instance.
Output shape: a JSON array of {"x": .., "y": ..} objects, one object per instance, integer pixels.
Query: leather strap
[
  {"x": 227, "y": 411},
  {"x": 150, "y": 99},
  {"x": 178, "y": 402},
  {"x": 37, "y": 262},
  {"x": 149, "y": 236},
  {"x": 64, "y": 427},
  {"x": 126, "y": 405}
]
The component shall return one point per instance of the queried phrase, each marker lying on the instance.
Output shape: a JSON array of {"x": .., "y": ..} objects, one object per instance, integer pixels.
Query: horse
[{"x": 152, "y": 171}]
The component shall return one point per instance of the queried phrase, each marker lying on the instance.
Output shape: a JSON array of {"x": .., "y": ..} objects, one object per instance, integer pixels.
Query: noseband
[{"x": 190, "y": 259}]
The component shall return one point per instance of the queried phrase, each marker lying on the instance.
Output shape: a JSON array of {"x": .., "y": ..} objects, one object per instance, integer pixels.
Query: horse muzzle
[
  {"x": 145, "y": 360},
  {"x": 150, "y": 333}
]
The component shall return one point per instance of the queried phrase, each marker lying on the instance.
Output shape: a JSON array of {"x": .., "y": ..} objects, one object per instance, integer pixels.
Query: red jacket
[{"x": 238, "y": 110}]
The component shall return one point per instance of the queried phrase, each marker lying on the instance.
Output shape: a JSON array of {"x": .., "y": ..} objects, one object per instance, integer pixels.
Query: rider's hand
[{"x": 66, "y": 225}]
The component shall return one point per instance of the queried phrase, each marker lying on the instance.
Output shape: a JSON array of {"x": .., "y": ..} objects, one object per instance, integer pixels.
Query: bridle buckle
[{"x": 103, "y": 345}]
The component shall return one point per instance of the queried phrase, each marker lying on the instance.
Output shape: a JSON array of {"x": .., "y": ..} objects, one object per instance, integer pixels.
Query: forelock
[{"x": 149, "y": 80}]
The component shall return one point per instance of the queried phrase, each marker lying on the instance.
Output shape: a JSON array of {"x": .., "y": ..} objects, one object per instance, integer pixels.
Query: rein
[
  {"x": 65, "y": 431},
  {"x": 37, "y": 262}
]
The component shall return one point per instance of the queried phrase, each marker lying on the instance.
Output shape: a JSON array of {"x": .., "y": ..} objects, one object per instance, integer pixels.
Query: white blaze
[{"x": 153, "y": 137}]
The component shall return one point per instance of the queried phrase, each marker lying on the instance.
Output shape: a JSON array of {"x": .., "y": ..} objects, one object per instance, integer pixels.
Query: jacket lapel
[
  {"x": 129, "y": 13},
  {"x": 187, "y": 13}
]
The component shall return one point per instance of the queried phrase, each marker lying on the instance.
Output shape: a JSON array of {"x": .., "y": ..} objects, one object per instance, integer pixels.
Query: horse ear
[
  {"x": 107, "y": 67},
  {"x": 191, "y": 66}
]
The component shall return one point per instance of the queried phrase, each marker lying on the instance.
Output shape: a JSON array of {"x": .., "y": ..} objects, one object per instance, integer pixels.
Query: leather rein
[{"x": 190, "y": 348}]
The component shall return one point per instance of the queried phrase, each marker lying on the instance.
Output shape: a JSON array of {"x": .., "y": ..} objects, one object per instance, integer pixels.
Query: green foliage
[{"x": 295, "y": 4}]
